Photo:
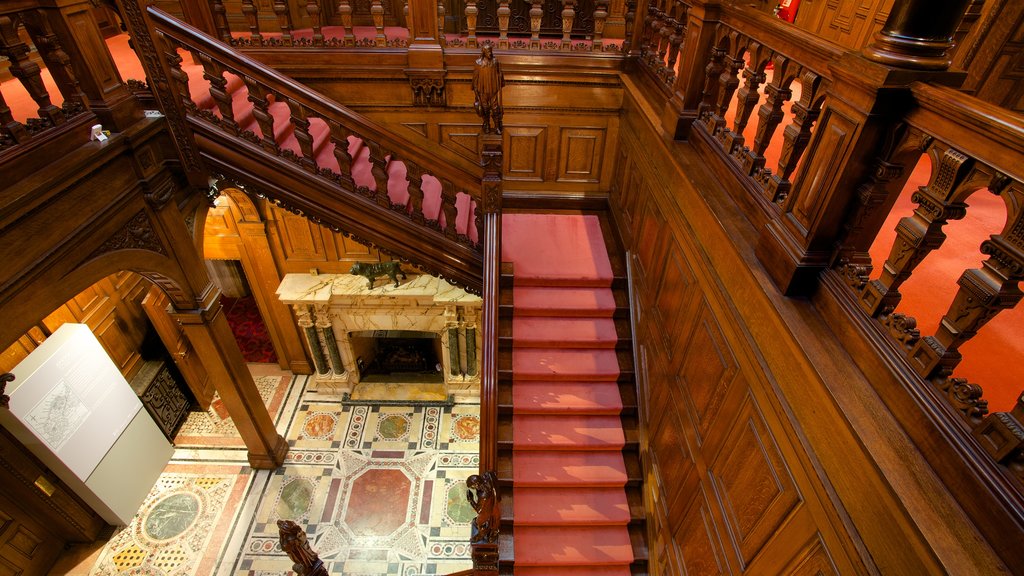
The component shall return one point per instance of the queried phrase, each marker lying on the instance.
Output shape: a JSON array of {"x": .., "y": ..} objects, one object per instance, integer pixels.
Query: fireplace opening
[{"x": 407, "y": 356}]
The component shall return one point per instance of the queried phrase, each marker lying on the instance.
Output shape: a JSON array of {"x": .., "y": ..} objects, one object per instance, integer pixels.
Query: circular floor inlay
[
  {"x": 466, "y": 428},
  {"x": 172, "y": 516},
  {"x": 295, "y": 499},
  {"x": 319, "y": 425},
  {"x": 393, "y": 427},
  {"x": 458, "y": 508}
]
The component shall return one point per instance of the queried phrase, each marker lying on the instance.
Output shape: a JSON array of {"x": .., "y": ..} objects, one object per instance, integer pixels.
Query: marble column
[
  {"x": 326, "y": 329},
  {"x": 305, "y": 321}
]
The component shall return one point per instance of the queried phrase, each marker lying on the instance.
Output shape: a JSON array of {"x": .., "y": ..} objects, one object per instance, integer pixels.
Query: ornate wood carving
[
  {"x": 5, "y": 400},
  {"x": 487, "y": 503},
  {"x": 137, "y": 233},
  {"x": 295, "y": 544},
  {"x": 428, "y": 88}
]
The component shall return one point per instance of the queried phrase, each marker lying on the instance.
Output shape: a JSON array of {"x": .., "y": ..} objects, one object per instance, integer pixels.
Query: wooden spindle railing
[
  {"x": 251, "y": 13},
  {"x": 313, "y": 9},
  {"x": 471, "y": 13},
  {"x": 377, "y": 12},
  {"x": 284, "y": 20},
  {"x": 25, "y": 70},
  {"x": 56, "y": 58},
  {"x": 600, "y": 18},
  {"x": 345, "y": 11},
  {"x": 220, "y": 19},
  {"x": 568, "y": 15},
  {"x": 536, "y": 12},
  {"x": 504, "y": 13}
]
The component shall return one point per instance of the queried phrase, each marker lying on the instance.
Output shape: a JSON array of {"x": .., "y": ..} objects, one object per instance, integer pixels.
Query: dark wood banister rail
[{"x": 462, "y": 172}]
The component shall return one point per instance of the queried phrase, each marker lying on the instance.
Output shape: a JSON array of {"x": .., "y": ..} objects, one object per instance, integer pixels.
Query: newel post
[
  {"x": 863, "y": 102},
  {"x": 682, "y": 109}
]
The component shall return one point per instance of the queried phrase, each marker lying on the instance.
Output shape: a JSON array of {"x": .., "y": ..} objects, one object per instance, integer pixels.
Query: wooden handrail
[
  {"x": 462, "y": 172},
  {"x": 809, "y": 50}
]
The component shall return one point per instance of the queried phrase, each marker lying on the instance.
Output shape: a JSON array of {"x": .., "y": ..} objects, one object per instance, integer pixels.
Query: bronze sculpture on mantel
[{"x": 487, "y": 84}]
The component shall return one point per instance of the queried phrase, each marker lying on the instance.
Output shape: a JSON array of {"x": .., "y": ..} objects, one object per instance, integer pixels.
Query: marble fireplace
[{"x": 422, "y": 333}]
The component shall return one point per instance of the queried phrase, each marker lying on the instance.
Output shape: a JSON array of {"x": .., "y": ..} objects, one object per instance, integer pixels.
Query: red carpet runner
[
  {"x": 569, "y": 505},
  {"x": 247, "y": 325}
]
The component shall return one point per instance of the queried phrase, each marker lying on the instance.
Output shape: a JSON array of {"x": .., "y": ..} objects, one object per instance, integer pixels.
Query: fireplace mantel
[{"x": 331, "y": 307}]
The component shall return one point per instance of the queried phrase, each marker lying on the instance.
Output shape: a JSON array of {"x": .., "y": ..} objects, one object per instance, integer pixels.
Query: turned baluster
[
  {"x": 983, "y": 293},
  {"x": 729, "y": 80},
  {"x": 379, "y": 169},
  {"x": 414, "y": 174},
  {"x": 917, "y": 235},
  {"x": 630, "y": 19},
  {"x": 600, "y": 17},
  {"x": 261, "y": 111},
  {"x": 16, "y": 130},
  {"x": 796, "y": 135},
  {"x": 651, "y": 27},
  {"x": 57, "y": 60},
  {"x": 668, "y": 25},
  {"x": 471, "y": 12},
  {"x": 302, "y": 135},
  {"x": 213, "y": 73},
  {"x": 709, "y": 95},
  {"x": 747, "y": 97},
  {"x": 339, "y": 138},
  {"x": 504, "y": 12},
  {"x": 284, "y": 19},
  {"x": 536, "y": 13},
  {"x": 220, "y": 20},
  {"x": 675, "y": 41},
  {"x": 769, "y": 116},
  {"x": 26, "y": 71},
  {"x": 345, "y": 10},
  {"x": 440, "y": 23},
  {"x": 313, "y": 9},
  {"x": 252, "y": 16},
  {"x": 377, "y": 12},
  {"x": 568, "y": 15},
  {"x": 178, "y": 76},
  {"x": 448, "y": 208}
]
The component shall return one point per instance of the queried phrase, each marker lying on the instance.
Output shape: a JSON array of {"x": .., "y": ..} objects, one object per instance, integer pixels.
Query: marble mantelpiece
[{"x": 338, "y": 305}]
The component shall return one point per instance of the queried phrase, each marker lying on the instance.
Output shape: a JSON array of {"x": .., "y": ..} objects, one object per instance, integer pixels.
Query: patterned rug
[{"x": 251, "y": 332}]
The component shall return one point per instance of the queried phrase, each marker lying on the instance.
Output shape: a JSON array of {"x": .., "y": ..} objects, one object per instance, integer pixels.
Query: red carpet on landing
[{"x": 570, "y": 511}]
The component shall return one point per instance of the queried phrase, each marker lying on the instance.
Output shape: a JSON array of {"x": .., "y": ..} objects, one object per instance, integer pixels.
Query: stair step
[
  {"x": 567, "y": 432},
  {"x": 573, "y": 546},
  {"x": 564, "y": 364},
  {"x": 555, "y": 250},
  {"x": 539, "y": 397},
  {"x": 618, "y": 570},
  {"x": 570, "y": 506},
  {"x": 534, "y": 332},
  {"x": 572, "y": 301},
  {"x": 568, "y": 468}
]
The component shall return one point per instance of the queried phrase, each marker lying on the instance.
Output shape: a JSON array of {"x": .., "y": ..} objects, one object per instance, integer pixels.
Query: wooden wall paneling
[
  {"x": 301, "y": 239},
  {"x": 675, "y": 299},
  {"x": 350, "y": 250},
  {"x": 525, "y": 148},
  {"x": 155, "y": 305},
  {"x": 581, "y": 154},
  {"x": 850, "y": 24},
  {"x": 815, "y": 560},
  {"x": 220, "y": 233},
  {"x": 26, "y": 545},
  {"x": 461, "y": 138},
  {"x": 697, "y": 536}
]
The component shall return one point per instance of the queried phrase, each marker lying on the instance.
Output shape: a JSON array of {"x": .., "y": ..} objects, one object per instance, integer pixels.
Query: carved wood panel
[
  {"x": 301, "y": 239},
  {"x": 462, "y": 139},
  {"x": 851, "y": 24},
  {"x": 706, "y": 372},
  {"x": 752, "y": 482},
  {"x": 525, "y": 148},
  {"x": 815, "y": 561},
  {"x": 697, "y": 537},
  {"x": 580, "y": 154}
]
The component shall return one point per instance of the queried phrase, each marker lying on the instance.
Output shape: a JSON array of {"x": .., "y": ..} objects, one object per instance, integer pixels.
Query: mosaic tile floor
[{"x": 380, "y": 490}]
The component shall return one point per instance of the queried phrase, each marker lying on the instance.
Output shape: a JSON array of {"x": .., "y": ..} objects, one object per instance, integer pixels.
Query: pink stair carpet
[{"x": 569, "y": 504}]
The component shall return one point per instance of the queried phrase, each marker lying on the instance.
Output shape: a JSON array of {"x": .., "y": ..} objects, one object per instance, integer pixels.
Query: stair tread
[
  {"x": 533, "y": 506},
  {"x": 572, "y": 545},
  {"x": 568, "y": 468},
  {"x": 556, "y": 249},
  {"x": 563, "y": 332},
  {"x": 560, "y": 431},
  {"x": 615, "y": 570},
  {"x": 571, "y": 301},
  {"x": 536, "y": 396},
  {"x": 564, "y": 364}
]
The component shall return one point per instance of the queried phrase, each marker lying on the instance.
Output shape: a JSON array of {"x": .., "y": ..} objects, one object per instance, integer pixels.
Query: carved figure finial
[
  {"x": 487, "y": 84},
  {"x": 5, "y": 400},
  {"x": 296, "y": 545},
  {"x": 487, "y": 504}
]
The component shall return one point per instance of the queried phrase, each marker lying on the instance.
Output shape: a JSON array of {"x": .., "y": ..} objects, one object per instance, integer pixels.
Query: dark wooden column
[
  {"x": 918, "y": 34},
  {"x": 74, "y": 23}
]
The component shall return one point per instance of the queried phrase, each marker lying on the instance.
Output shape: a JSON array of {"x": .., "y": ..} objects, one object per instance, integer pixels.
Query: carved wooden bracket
[
  {"x": 427, "y": 87},
  {"x": 4, "y": 398}
]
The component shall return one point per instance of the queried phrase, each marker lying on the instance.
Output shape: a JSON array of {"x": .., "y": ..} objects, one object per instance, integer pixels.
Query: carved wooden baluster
[
  {"x": 345, "y": 10},
  {"x": 919, "y": 234},
  {"x": 179, "y": 77},
  {"x": 414, "y": 174},
  {"x": 769, "y": 116},
  {"x": 536, "y": 13},
  {"x": 747, "y": 97},
  {"x": 471, "y": 12},
  {"x": 313, "y": 9},
  {"x": 440, "y": 23},
  {"x": 568, "y": 16},
  {"x": 252, "y": 16},
  {"x": 983, "y": 292},
  {"x": 261, "y": 111},
  {"x": 600, "y": 17},
  {"x": 57, "y": 60},
  {"x": 16, "y": 130},
  {"x": 627, "y": 43},
  {"x": 448, "y": 207},
  {"x": 667, "y": 27},
  {"x": 379, "y": 169},
  {"x": 377, "y": 12},
  {"x": 675, "y": 42},
  {"x": 220, "y": 20},
  {"x": 730, "y": 81},
  {"x": 339, "y": 137},
  {"x": 26, "y": 71},
  {"x": 284, "y": 20},
  {"x": 796, "y": 135},
  {"x": 302, "y": 135},
  {"x": 709, "y": 96},
  {"x": 504, "y": 12},
  {"x": 652, "y": 26},
  {"x": 213, "y": 72}
]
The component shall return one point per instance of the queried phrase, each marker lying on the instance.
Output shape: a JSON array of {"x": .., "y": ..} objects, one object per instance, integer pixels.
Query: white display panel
[
  {"x": 70, "y": 405},
  {"x": 72, "y": 397}
]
